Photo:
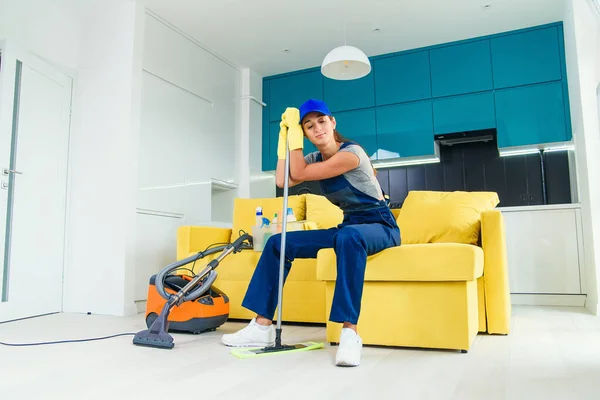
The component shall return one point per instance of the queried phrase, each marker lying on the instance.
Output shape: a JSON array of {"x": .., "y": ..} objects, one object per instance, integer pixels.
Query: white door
[{"x": 35, "y": 102}]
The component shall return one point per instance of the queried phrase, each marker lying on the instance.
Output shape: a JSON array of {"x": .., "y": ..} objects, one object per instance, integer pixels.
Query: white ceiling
[{"x": 253, "y": 33}]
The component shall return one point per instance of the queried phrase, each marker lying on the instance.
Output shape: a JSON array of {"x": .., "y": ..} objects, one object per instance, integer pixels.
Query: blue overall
[{"x": 365, "y": 230}]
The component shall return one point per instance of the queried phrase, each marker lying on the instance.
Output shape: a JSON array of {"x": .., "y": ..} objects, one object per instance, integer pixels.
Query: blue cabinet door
[
  {"x": 402, "y": 78},
  {"x": 405, "y": 130},
  {"x": 359, "y": 126},
  {"x": 525, "y": 58},
  {"x": 272, "y": 142},
  {"x": 461, "y": 68},
  {"x": 468, "y": 112},
  {"x": 292, "y": 91},
  {"x": 349, "y": 95},
  {"x": 531, "y": 115}
]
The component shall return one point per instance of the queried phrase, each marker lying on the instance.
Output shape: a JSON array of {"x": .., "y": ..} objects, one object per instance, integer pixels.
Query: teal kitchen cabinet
[
  {"x": 402, "y": 78},
  {"x": 359, "y": 126},
  {"x": 532, "y": 114},
  {"x": 405, "y": 130},
  {"x": 464, "y": 113},
  {"x": 461, "y": 68},
  {"x": 292, "y": 91},
  {"x": 272, "y": 140},
  {"x": 526, "y": 57},
  {"x": 349, "y": 95}
]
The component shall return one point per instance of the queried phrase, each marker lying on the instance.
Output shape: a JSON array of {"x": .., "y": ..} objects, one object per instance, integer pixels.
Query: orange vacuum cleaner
[{"x": 182, "y": 303}]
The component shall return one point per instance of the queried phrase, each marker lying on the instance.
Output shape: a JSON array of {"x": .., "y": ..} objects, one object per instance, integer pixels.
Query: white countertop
[{"x": 541, "y": 207}]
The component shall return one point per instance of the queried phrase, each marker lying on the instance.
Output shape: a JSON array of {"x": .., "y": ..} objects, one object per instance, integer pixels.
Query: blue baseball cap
[{"x": 313, "y": 105}]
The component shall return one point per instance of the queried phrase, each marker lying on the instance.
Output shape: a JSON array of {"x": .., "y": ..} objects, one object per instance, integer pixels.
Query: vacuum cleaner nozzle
[{"x": 157, "y": 335}]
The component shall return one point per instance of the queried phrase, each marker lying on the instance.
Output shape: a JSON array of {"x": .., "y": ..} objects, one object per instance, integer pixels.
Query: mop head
[{"x": 266, "y": 351}]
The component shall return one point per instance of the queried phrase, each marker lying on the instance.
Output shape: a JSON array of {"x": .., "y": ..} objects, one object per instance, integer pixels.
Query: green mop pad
[{"x": 267, "y": 351}]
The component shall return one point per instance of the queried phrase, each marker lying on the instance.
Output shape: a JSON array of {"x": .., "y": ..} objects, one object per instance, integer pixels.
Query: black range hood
[{"x": 454, "y": 138}]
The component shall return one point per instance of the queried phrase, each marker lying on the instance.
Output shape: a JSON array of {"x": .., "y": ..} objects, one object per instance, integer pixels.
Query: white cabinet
[
  {"x": 189, "y": 116},
  {"x": 190, "y": 111},
  {"x": 544, "y": 249}
]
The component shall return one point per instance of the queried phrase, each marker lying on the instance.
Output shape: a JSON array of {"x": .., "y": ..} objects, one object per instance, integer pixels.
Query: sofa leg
[
  {"x": 463, "y": 351},
  {"x": 333, "y": 343}
]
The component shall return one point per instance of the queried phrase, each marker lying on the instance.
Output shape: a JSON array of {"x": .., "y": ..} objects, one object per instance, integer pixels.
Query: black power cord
[
  {"x": 66, "y": 341},
  {"x": 200, "y": 255}
]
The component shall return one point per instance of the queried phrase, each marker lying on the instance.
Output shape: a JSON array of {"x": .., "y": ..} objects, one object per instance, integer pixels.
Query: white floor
[{"x": 552, "y": 353}]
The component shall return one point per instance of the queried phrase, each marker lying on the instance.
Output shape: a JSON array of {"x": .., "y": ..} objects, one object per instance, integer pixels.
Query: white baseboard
[
  {"x": 594, "y": 308},
  {"x": 570, "y": 300},
  {"x": 141, "y": 306}
]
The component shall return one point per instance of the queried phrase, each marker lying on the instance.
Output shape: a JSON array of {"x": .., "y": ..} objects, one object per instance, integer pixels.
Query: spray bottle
[{"x": 259, "y": 216}]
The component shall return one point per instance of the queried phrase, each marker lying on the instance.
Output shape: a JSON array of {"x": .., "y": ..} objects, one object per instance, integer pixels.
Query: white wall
[
  {"x": 582, "y": 41},
  {"x": 253, "y": 182},
  {"x": 103, "y": 161},
  {"x": 190, "y": 120},
  {"x": 49, "y": 29},
  {"x": 155, "y": 119}
]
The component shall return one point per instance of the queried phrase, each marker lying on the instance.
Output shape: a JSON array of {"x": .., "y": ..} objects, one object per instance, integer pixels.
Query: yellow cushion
[
  {"x": 244, "y": 211},
  {"x": 442, "y": 217},
  {"x": 323, "y": 212},
  {"x": 396, "y": 212},
  {"x": 414, "y": 262}
]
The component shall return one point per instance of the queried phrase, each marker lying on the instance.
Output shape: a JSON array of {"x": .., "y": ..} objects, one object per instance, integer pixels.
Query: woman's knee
[{"x": 348, "y": 235}]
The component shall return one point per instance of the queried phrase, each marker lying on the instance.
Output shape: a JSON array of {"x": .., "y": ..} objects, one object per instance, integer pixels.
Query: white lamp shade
[{"x": 345, "y": 63}]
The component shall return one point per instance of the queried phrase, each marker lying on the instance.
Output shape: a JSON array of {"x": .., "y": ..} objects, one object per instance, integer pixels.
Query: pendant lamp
[{"x": 345, "y": 63}]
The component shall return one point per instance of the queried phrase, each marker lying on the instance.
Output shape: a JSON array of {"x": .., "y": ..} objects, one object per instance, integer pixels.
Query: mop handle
[{"x": 283, "y": 233}]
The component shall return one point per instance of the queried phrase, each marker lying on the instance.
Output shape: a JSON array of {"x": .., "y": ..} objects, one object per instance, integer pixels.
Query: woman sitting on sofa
[{"x": 348, "y": 180}]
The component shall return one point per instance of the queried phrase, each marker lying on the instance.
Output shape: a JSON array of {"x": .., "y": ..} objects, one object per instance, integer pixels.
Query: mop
[{"x": 279, "y": 347}]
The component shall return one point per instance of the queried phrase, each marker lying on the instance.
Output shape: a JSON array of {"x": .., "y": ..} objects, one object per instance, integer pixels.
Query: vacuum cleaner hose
[
  {"x": 208, "y": 274},
  {"x": 160, "y": 277}
]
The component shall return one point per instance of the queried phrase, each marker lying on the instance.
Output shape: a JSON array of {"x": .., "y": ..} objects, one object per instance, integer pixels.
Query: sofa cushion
[
  {"x": 414, "y": 262},
  {"x": 444, "y": 217},
  {"x": 323, "y": 212},
  {"x": 244, "y": 211},
  {"x": 240, "y": 267}
]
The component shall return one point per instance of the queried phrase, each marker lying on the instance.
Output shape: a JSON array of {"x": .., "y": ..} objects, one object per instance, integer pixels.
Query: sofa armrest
[
  {"x": 192, "y": 239},
  {"x": 495, "y": 272}
]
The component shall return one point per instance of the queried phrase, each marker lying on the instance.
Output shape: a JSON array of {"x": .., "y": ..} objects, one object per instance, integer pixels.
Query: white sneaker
[
  {"x": 349, "y": 352},
  {"x": 252, "y": 335}
]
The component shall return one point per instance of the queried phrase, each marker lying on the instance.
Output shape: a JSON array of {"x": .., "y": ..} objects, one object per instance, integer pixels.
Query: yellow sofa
[{"x": 444, "y": 284}]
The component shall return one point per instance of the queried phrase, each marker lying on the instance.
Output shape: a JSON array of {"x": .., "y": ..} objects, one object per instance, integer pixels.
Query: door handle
[{"x": 7, "y": 171}]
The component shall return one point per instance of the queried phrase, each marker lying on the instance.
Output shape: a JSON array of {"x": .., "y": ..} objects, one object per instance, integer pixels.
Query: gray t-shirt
[{"x": 365, "y": 188}]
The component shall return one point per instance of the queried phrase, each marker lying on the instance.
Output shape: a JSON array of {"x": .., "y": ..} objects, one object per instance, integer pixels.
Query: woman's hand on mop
[
  {"x": 290, "y": 119},
  {"x": 283, "y": 131}
]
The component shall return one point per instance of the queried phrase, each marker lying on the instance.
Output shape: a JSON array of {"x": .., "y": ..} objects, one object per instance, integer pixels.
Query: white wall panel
[
  {"x": 190, "y": 113},
  {"x": 164, "y": 123},
  {"x": 155, "y": 248},
  {"x": 582, "y": 40}
]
